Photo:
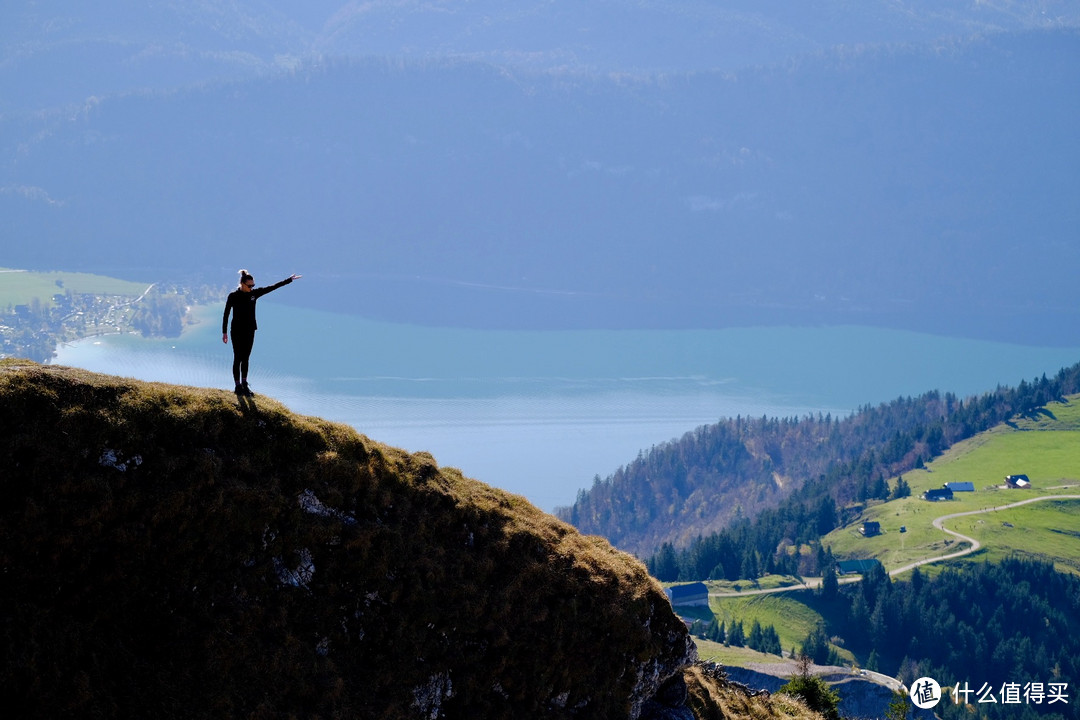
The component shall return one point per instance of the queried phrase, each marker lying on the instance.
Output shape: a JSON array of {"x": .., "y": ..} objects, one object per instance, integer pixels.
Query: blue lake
[{"x": 541, "y": 413}]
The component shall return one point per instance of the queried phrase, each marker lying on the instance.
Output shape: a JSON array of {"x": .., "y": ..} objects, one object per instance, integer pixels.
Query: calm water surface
[{"x": 541, "y": 413}]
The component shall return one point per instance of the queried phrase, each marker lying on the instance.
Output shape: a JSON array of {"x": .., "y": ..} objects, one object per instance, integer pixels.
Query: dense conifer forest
[
  {"x": 727, "y": 500},
  {"x": 1013, "y": 657}
]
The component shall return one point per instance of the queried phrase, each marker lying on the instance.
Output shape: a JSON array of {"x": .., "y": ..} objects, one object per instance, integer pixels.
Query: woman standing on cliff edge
[{"x": 241, "y": 302}]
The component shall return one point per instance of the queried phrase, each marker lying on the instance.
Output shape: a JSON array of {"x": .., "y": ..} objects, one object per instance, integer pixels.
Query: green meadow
[
  {"x": 710, "y": 651},
  {"x": 19, "y": 286},
  {"x": 793, "y": 614},
  {"x": 786, "y": 612},
  {"x": 1047, "y": 531},
  {"x": 1045, "y": 447}
]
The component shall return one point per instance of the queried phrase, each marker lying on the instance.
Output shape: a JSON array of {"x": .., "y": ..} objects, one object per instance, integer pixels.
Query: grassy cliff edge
[{"x": 176, "y": 552}]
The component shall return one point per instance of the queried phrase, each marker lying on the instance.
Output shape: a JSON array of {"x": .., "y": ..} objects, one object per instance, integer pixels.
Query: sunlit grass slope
[
  {"x": 18, "y": 287},
  {"x": 792, "y": 618},
  {"x": 1044, "y": 446}
]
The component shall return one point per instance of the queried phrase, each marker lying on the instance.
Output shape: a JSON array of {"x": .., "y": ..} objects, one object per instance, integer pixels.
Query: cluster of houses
[
  {"x": 698, "y": 594},
  {"x": 945, "y": 492}
]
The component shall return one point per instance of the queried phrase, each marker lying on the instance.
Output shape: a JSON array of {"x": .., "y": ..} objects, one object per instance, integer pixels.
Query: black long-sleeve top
[{"x": 242, "y": 305}]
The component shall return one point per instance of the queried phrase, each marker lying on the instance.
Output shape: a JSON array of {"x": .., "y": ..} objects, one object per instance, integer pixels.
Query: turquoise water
[{"x": 540, "y": 413}]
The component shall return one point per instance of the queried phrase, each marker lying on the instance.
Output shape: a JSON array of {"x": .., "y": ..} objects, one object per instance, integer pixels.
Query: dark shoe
[
  {"x": 247, "y": 390},
  {"x": 240, "y": 389}
]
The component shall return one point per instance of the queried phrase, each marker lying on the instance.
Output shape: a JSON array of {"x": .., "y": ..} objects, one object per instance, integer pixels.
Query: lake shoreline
[{"x": 541, "y": 413}]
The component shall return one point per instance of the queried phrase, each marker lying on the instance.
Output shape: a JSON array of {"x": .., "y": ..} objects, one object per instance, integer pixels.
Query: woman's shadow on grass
[{"x": 247, "y": 405}]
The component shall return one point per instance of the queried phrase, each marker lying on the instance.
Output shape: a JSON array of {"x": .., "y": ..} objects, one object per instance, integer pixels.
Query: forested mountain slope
[
  {"x": 1005, "y": 636},
  {"x": 170, "y": 552},
  {"x": 786, "y": 477}
]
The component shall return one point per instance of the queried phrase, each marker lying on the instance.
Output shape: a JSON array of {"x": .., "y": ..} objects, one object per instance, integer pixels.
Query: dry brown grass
[
  {"x": 176, "y": 552},
  {"x": 713, "y": 697}
]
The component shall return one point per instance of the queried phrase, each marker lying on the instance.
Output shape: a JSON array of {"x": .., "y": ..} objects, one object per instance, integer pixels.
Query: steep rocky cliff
[{"x": 176, "y": 552}]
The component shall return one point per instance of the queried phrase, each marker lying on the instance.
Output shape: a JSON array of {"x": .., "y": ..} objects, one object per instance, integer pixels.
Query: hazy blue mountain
[
  {"x": 63, "y": 51},
  {"x": 611, "y": 35},
  {"x": 901, "y": 179}
]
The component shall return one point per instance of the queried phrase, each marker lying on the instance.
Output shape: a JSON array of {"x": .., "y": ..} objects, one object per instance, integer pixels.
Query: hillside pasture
[
  {"x": 1056, "y": 416},
  {"x": 892, "y": 547},
  {"x": 1050, "y": 458},
  {"x": 787, "y": 612},
  {"x": 1044, "y": 446},
  {"x": 709, "y": 651},
  {"x": 20, "y": 287},
  {"x": 1047, "y": 531}
]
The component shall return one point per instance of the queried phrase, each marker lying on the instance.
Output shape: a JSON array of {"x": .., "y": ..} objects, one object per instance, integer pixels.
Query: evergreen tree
[
  {"x": 771, "y": 642},
  {"x": 814, "y": 691},
  {"x": 755, "y": 640},
  {"x": 898, "y": 706},
  {"x": 830, "y": 584},
  {"x": 859, "y": 613},
  {"x": 879, "y": 624},
  {"x": 736, "y": 637},
  {"x": 816, "y": 646},
  {"x": 901, "y": 490},
  {"x": 664, "y": 565},
  {"x": 825, "y": 517},
  {"x": 750, "y": 569},
  {"x": 916, "y": 581},
  {"x": 879, "y": 488}
]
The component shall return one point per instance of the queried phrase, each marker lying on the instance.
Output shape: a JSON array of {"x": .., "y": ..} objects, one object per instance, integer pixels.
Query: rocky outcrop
[
  {"x": 669, "y": 703},
  {"x": 169, "y": 552}
]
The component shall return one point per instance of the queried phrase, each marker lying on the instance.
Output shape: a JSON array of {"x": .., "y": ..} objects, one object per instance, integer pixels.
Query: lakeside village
[{"x": 34, "y": 329}]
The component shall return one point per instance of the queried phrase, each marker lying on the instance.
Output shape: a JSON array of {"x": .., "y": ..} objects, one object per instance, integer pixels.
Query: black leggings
[{"x": 241, "y": 348}]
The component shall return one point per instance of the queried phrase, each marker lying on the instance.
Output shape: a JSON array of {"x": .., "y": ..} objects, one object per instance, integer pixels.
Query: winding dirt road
[
  {"x": 811, "y": 583},
  {"x": 975, "y": 544}
]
